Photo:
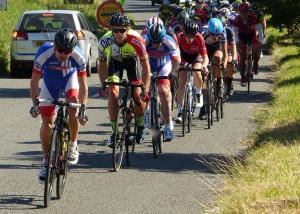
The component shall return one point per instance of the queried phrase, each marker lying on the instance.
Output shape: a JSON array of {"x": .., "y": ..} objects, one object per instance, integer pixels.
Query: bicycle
[
  {"x": 125, "y": 130},
  {"x": 248, "y": 65},
  {"x": 174, "y": 86},
  {"x": 189, "y": 99},
  {"x": 155, "y": 116},
  {"x": 58, "y": 152}
]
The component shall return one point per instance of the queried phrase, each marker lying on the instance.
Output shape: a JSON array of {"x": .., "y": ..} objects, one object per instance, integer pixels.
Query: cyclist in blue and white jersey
[
  {"x": 63, "y": 67},
  {"x": 164, "y": 59}
]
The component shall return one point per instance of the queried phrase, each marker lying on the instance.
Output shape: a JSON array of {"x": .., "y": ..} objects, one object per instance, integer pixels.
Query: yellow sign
[{"x": 105, "y": 10}]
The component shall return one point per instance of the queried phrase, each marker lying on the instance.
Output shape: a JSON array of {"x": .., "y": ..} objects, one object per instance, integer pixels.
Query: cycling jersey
[
  {"x": 245, "y": 27},
  {"x": 160, "y": 59},
  {"x": 210, "y": 40},
  {"x": 58, "y": 75},
  {"x": 134, "y": 45},
  {"x": 191, "y": 52}
]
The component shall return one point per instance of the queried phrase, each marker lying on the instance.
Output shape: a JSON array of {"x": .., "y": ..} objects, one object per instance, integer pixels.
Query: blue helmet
[
  {"x": 156, "y": 32},
  {"x": 215, "y": 26}
]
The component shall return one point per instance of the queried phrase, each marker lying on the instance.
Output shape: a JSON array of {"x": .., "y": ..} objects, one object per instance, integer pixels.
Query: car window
[
  {"x": 83, "y": 23},
  {"x": 46, "y": 22}
]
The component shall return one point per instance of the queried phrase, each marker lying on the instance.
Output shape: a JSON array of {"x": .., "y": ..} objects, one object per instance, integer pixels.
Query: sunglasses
[
  {"x": 115, "y": 30},
  {"x": 215, "y": 34},
  {"x": 190, "y": 36},
  {"x": 66, "y": 51}
]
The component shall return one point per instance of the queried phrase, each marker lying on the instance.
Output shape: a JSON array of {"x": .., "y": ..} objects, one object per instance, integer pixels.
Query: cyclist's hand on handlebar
[
  {"x": 204, "y": 71},
  {"x": 145, "y": 97},
  {"x": 103, "y": 92},
  {"x": 35, "y": 109},
  {"x": 83, "y": 118}
]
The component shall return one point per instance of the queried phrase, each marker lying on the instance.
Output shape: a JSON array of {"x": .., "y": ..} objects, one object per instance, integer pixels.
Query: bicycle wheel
[
  {"x": 52, "y": 161},
  {"x": 119, "y": 139},
  {"x": 155, "y": 127},
  {"x": 174, "y": 86},
  {"x": 249, "y": 74},
  {"x": 63, "y": 160},
  {"x": 208, "y": 100},
  {"x": 185, "y": 111},
  {"x": 131, "y": 128},
  {"x": 189, "y": 112}
]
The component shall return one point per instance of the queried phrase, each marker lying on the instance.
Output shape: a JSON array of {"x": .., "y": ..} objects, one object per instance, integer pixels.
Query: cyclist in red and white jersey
[
  {"x": 246, "y": 28},
  {"x": 63, "y": 67},
  {"x": 192, "y": 51}
]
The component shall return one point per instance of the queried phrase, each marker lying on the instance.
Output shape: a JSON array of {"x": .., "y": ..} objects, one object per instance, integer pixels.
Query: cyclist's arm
[
  {"x": 34, "y": 85},
  {"x": 205, "y": 61},
  {"x": 102, "y": 71},
  {"x": 83, "y": 89},
  {"x": 225, "y": 54},
  {"x": 146, "y": 73},
  {"x": 258, "y": 27}
]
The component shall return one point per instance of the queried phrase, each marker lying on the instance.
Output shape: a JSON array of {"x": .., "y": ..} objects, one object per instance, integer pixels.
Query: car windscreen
[{"x": 46, "y": 22}]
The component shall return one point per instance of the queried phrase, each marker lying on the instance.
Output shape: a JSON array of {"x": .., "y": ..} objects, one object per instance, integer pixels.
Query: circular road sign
[{"x": 106, "y": 9}]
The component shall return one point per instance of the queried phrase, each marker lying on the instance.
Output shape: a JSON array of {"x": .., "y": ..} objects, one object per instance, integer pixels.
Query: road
[{"x": 181, "y": 180}]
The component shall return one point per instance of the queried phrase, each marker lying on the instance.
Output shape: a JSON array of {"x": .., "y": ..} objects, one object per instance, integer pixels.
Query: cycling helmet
[
  {"x": 191, "y": 12},
  {"x": 234, "y": 6},
  {"x": 166, "y": 3},
  {"x": 156, "y": 32},
  {"x": 254, "y": 6},
  {"x": 119, "y": 19},
  {"x": 225, "y": 12},
  {"x": 243, "y": 8},
  {"x": 199, "y": 1},
  {"x": 190, "y": 27},
  {"x": 188, "y": 3},
  {"x": 222, "y": 19},
  {"x": 176, "y": 11},
  {"x": 215, "y": 26},
  {"x": 65, "y": 39},
  {"x": 182, "y": 17},
  {"x": 215, "y": 13},
  {"x": 153, "y": 20}
]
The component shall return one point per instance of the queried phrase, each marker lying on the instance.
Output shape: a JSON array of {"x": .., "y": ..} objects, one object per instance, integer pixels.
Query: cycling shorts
[
  {"x": 187, "y": 59},
  {"x": 211, "y": 49},
  {"x": 131, "y": 65},
  {"x": 51, "y": 89}
]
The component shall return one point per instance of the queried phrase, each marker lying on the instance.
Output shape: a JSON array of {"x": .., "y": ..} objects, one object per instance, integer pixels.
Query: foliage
[{"x": 283, "y": 12}]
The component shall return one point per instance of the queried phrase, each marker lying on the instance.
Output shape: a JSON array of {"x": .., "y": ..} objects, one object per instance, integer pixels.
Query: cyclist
[
  {"x": 122, "y": 48},
  {"x": 216, "y": 44},
  {"x": 63, "y": 67},
  {"x": 192, "y": 51},
  {"x": 165, "y": 10},
  {"x": 254, "y": 8},
  {"x": 164, "y": 59},
  {"x": 202, "y": 12},
  {"x": 246, "y": 27},
  {"x": 177, "y": 26},
  {"x": 231, "y": 48}
]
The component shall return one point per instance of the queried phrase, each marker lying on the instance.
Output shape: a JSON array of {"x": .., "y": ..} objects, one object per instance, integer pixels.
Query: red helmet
[{"x": 243, "y": 8}]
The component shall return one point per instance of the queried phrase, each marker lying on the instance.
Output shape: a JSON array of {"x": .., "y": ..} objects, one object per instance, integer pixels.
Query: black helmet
[
  {"x": 65, "y": 39},
  {"x": 215, "y": 13},
  {"x": 182, "y": 17},
  {"x": 190, "y": 27},
  {"x": 176, "y": 11},
  {"x": 156, "y": 32},
  {"x": 222, "y": 19},
  {"x": 119, "y": 19}
]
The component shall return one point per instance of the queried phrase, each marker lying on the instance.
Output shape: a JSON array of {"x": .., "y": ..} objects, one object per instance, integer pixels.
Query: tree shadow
[{"x": 287, "y": 82}]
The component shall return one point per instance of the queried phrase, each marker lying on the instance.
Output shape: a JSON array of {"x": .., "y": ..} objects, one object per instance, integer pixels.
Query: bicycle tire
[
  {"x": 155, "y": 127},
  {"x": 63, "y": 161},
  {"x": 119, "y": 139},
  {"x": 189, "y": 113},
  {"x": 184, "y": 112},
  {"x": 131, "y": 128},
  {"x": 248, "y": 76},
  {"x": 52, "y": 159},
  {"x": 174, "y": 87},
  {"x": 208, "y": 102},
  {"x": 222, "y": 107}
]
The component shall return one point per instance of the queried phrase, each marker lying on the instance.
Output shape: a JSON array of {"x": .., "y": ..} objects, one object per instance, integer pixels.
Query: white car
[{"x": 39, "y": 26}]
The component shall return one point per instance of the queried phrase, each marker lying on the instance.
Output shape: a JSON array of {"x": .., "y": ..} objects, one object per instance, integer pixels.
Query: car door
[{"x": 90, "y": 37}]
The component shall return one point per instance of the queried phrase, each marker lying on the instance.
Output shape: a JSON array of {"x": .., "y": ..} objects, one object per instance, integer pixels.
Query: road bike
[
  {"x": 125, "y": 130},
  {"x": 155, "y": 116},
  {"x": 58, "y": 152},
  {"x": 189, "y": 99}
]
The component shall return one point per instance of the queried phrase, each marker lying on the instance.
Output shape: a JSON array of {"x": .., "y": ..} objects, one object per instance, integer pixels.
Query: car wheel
[
  {"x": 88, "y": 67},
  {"x": 14, "y": 71},
  {"x": 152, "y": 2}
]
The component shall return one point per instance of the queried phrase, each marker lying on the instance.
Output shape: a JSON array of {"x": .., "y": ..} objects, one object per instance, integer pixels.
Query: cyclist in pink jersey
[{"x": 63, "y": 67}]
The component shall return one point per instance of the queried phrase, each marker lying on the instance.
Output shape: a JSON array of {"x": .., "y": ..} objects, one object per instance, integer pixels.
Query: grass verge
[{"x": 267, "y": 180}]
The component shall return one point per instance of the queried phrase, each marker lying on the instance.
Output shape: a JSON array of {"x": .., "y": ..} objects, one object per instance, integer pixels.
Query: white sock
[
  {"x": 179, "y": 108},
  {"x": 73, "y": 143},
  {"x": 198, "y": 90}
]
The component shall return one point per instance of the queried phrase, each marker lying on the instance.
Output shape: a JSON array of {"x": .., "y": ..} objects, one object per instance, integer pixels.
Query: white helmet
[{"x": 154, "y": 20}]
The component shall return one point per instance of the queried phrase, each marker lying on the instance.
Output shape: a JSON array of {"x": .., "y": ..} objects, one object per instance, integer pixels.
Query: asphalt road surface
[{"x": 182, "y": 180}]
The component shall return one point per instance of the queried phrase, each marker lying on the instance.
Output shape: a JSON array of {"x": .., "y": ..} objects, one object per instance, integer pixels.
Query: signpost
[
  {"x": 3, "y": 4},
  {"x": 106, "y": 9}
]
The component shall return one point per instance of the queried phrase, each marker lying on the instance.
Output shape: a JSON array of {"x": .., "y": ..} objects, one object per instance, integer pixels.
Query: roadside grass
[{"x": 267, "y": 178}]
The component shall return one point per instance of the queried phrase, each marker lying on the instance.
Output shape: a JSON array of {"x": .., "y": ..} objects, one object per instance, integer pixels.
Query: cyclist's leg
[
  {"x": 255, "y": 53},
  {"x": 229, "y": 74},
  {"x": 180, "y": 94},
  {"x": 198, "y": 82}
]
